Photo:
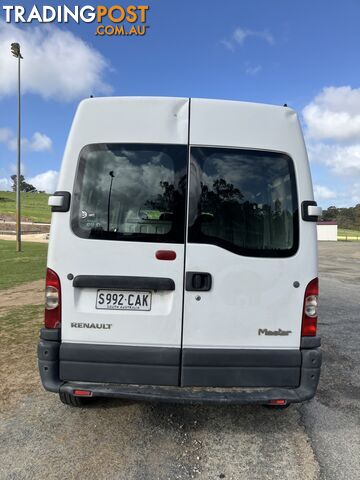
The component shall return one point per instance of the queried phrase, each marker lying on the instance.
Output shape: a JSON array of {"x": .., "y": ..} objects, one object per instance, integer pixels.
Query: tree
[
  {"x": 24, "y": 186},
  {"x": 345, "y": 217},
  {"x": 168, "y": 200},
  {"x": 213, "y": 198}
]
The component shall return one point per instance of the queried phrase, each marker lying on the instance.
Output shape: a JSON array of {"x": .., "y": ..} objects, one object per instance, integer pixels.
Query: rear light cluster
[
  {"x": 277, "y": 401},
  {"x": 82, "y": 393},
  {"x": 52, "y": 300},
  {"x": 310, "y": 312}
]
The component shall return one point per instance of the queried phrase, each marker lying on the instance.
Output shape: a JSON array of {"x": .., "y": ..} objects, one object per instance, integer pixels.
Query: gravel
[{"x": 41, "y": 438}]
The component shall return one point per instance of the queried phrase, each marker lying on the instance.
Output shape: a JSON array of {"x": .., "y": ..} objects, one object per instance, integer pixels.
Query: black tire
[{"x": 73, "y": 401}]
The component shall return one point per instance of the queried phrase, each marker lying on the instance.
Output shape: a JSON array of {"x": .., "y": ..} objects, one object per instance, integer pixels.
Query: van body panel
[
  {"x": 159, "y": 327},
  {"x": 227, "y": 310},
  {"x": 249, "y": 125},
  {"x": 249, "y": 294},
  {"x": 136, "y": 121},
  {"x": 257, "y": 298}
]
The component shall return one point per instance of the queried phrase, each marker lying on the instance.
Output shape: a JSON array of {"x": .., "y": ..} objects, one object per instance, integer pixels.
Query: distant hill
[
  {"x": 34, "y": 207},
  {"x": 348, "y": 218}
]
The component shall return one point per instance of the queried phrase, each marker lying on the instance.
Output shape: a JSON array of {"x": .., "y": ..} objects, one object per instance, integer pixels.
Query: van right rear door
[{"x": 249, "y": 257}]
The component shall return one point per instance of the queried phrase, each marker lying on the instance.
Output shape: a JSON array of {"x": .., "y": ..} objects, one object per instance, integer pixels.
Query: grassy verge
[
  {"x": 347, "y": 234},
  {"x": 18, "y": 319},
  {"x": 21, "y": 267},
  {"x": 34, "y": 206},
  {"x": 18, "y": 338}
]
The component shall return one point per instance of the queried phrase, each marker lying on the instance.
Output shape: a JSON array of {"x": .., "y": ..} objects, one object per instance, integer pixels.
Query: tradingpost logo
[{"x": 116, "y": 20}]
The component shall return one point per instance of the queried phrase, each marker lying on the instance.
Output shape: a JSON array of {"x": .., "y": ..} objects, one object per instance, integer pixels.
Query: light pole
[
  {"x": 111, "y": 173},
  {"x": 15, "y": 50}
]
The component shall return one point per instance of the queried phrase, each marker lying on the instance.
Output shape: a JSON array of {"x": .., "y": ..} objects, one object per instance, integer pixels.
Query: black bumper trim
[
  {"x": 48, "y": 358},
  {"x": 240, "y": 367},
  {"x": 48, "y": 361},
  {"x": 52, "y": 334},
  {"x": 87, "y": 352},
  {"x": 119, "y": 364},
  {"x": 119, "y": 373},
  {"x": 49, "y": 374},
  {"x": 310, "y": 342},
  {"x": 234, "y": 357},
  {"x": 48, "y": 353},
  {"x": 246, "y": 377},
  {"x": 198, "y": 395},
  {"x": 160, "y": 366}
]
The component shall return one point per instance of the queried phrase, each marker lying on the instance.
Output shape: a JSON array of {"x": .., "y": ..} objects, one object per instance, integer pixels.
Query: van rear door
[
  {"x": 245, "y": 250},
  {"x": 119, "y": 252}
]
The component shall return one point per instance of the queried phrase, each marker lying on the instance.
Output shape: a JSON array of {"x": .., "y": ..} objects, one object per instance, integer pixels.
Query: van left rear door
[{"x": 122, "y": 275}]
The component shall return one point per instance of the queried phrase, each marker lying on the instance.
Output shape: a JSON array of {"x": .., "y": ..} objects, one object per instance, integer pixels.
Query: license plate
[{"x": 123, "y": 300}]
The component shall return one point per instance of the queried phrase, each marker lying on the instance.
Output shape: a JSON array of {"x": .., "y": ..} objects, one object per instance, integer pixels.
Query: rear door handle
[{"x": 198, "y": 281}]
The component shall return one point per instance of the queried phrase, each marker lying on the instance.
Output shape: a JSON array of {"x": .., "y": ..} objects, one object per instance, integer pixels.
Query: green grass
[
  {"x": 351, "y": 234},
  {"x": 34, "y": 206},
  {"x": 19, "y": 325},
  {"x": 20, "y": 316},
  {"x": 21, "y": 267}
]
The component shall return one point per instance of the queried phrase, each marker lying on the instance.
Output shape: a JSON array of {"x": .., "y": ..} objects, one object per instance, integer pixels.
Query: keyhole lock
[{"x": 198, "y": 298}]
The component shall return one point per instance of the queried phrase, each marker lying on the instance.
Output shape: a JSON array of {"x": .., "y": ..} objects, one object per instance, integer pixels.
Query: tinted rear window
[
  {"x": 132, "y": 192},
  {"x": 244, "y": 201}
]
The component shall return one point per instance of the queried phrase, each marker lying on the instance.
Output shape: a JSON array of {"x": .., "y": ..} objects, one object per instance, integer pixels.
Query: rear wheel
[{"x": 73, "y": 401}]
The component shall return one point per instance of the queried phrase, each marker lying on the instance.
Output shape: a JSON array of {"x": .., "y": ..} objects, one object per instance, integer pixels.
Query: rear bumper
[{"x": 48, "y": 354}]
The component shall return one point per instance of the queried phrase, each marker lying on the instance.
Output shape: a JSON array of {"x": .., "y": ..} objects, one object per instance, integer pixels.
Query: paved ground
[{"x": 40, "y": 438}]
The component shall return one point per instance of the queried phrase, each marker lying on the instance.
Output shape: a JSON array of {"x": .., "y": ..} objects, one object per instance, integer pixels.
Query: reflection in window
[
  {"x": 130, "y": 192},
  {"x": 244, "y": 201}
]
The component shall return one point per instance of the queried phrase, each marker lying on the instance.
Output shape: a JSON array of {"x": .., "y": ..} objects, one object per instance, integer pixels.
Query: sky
[{"x": 305, "y": 54}]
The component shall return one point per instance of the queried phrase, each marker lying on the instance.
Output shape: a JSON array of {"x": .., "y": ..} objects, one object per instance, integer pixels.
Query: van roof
[
  {"x": 166, "y": 99},
  {"x": 164, "y": 120}
]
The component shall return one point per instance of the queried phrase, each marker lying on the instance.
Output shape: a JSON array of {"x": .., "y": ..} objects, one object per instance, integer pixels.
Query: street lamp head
[{"x": 15, "y": 50}]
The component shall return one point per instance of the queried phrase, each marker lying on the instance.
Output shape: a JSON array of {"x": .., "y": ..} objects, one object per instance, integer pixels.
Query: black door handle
[{"x": 198, "y": 281}]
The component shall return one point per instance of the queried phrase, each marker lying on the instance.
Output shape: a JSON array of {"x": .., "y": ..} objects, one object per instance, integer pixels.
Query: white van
[{"x": 182, "y": 261}]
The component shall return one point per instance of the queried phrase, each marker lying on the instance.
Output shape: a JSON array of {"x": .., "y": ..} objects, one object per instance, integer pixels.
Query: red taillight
[
  {"x": 309, "y": 320},
  {"x": 277, "y": 402},
  {"x": 165, "y": 255},
  {"x": 82, "y": 393},
  {"x": 52, "y": 300}
]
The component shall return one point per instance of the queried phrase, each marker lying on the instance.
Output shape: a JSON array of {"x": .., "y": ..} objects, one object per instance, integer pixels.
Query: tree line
[
  {"x": 344, "y": 217},
  {"x": 24, "y": 186}
]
